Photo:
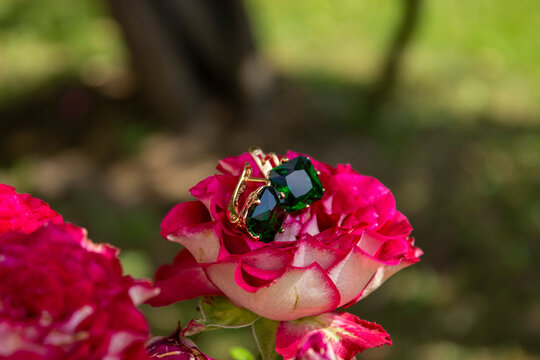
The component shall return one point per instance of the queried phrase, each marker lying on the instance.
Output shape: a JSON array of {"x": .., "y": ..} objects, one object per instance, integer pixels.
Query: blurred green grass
[
  {"x": 46, "y": 42},
  {"x": 468, "y": 56}
]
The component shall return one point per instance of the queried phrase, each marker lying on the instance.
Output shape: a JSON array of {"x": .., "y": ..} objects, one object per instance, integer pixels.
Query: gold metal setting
[
  {"x": 237, "y": 216},
  {"x": 265, "y": 163}
]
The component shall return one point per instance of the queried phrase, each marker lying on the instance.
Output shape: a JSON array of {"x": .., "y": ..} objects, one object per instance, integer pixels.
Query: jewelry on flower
[{"x": 289, "y": 186}]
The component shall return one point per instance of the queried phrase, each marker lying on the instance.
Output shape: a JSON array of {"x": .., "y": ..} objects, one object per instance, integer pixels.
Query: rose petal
[
  {"x": 184, "y": 215},
  {"x": 297, "y": 293},
  {"x": 397, "y": 226},
  {"x": 385, "y": 249},
  {"x": 205, "y": 190},
  {"x": 384, "y": 272},
  {"x": 311, "y": 251},
  {"x": 182, "y": 280},
  {"x": 222, "y": 194},
  {"x": 291, "y": 228},
  {"x": 189, "y": 224},
  {"x": 119, "y": 342},
  {"x": 344, "y": 333},
  {"x": 316, "y": 348},
  {"x": 352, "y": 274},
  {"x": 251, "y": 278},
  {"x": 11, "y": 339},
  {"x": 260, "y": 267},
  {"x": 142, "y": 291},
  {"x": 22, "y": 212},
  {"x": 269, "y": 258},
  {"x": 234, "y": 165}
]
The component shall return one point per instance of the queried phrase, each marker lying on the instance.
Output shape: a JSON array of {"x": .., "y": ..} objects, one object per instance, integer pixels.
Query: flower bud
[{"x": 174, "y": 347}]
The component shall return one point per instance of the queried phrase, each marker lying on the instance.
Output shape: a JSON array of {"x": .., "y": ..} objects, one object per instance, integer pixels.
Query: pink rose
[
  {"x": 332, "y": 254},
  {"x": 22, "y": 212},
  {"x": 64, "y": 297}
]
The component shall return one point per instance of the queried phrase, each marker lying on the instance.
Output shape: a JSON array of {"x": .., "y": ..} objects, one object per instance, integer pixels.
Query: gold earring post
[
  {"x": 265, "y": 162},
  {"x": 235, "y": 215}
]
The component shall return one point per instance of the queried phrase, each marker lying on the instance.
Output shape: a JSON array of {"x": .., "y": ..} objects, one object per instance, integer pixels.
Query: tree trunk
[
  {"x": 385, "y": 82},
  {"x": 189, "y": 53}
]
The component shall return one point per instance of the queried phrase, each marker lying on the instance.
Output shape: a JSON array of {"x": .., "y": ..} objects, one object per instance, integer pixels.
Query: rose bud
[
  {"x": 330, "y": 254},
  {"x": 174, "y": 347}
]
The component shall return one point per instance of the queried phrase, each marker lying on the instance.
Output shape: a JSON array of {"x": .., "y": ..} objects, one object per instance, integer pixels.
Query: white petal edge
[
  {"x": 203, "y": 245},
  {"x": 352, "y": 274},
  {"x": 140, "y": 293},
  {"x": 297, "y": 293}
]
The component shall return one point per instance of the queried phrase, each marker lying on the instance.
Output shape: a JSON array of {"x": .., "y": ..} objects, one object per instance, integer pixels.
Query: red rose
[
  {"x": 332, "y": 254},
  {"x": 64, "y": 297},
  {"x": 22, "y": 212}
]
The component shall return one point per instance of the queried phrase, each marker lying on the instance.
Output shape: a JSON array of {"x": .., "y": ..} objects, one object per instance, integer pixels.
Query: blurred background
[{"x": 111, "y": 110}]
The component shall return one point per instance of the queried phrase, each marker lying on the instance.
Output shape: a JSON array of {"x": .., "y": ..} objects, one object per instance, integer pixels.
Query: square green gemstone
[
  {"x": 297, "y": 179},
  {"x": 265, "y": 219}
]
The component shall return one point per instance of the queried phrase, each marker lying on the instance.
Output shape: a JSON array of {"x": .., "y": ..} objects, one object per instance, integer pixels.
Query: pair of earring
[{"x": 288, "y": 186}]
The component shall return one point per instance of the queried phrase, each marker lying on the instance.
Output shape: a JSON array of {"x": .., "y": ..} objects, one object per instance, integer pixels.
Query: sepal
[
  {"x": 219, "y": 312},
  {"x": 264, "y": 331}
]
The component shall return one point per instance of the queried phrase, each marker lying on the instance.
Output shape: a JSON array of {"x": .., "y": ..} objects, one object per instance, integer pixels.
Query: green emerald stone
[
  {"x": 265, "y": 219},
  {"x": 297, "y": 179}
]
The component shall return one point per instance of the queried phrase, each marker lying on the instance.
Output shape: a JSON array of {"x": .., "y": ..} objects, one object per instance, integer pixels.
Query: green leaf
[
  {"x": 218, "y": 312},
  {"x": 264, "y": 331},
  {"x": 240, "y": 353}
]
